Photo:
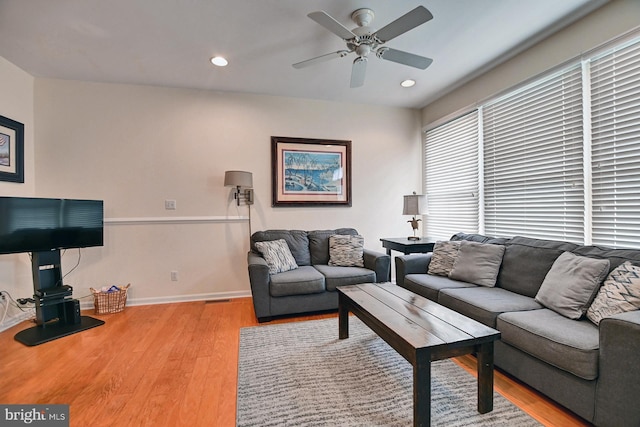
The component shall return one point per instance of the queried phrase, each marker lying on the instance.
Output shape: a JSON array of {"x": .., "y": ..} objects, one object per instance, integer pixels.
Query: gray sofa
[
  {"x": 312, "y": 286},
  {"x": 591, "y": 370}
]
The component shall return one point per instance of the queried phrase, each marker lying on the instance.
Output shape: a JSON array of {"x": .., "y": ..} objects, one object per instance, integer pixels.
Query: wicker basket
[{"x": 110, "y": 302}]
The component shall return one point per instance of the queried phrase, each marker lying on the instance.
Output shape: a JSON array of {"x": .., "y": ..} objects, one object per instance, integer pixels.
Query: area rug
[{"x": 300, "y": 374}]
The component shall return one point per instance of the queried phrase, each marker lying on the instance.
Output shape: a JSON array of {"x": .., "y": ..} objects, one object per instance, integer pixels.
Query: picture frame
[
  {"x": 310, "y": 172},
  {"x": 11, "y": 150}
]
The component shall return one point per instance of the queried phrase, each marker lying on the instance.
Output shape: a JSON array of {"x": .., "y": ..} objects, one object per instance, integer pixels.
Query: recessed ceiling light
[
  {"x": 408, "y": 83},
  {"x": 219, "y": 61}
]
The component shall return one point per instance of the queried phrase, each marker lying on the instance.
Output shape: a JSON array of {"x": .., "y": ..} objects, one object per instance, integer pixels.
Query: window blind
[
  {"x": 615, "y": 129},
  {"x": 533, "y": 160},
  {"x": 451, "y": 177}
]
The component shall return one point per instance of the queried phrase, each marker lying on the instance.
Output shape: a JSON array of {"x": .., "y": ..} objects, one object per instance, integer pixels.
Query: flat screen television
[{"x": 38, "y": 224}]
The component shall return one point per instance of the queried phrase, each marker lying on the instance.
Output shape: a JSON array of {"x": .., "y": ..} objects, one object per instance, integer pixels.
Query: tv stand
[{"x": 57, "y": 313}]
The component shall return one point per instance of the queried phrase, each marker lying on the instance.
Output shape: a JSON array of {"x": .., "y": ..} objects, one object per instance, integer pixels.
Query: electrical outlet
[
  {"x": 170, "y": 205},
  {"x": 174, "y": 276},
  {"x": 4, "y": 298}
]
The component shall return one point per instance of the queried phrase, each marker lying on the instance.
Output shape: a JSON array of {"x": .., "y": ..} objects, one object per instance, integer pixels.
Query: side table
[{"x": 406, "y": 246}]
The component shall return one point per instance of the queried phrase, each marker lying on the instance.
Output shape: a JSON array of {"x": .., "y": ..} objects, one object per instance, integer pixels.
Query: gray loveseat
[
  {"x": 592, "y": 370},
  {"x": 311, "y": 286}
]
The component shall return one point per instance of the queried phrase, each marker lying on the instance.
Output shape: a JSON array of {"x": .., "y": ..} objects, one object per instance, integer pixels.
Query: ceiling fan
[{"x": 363, "y": 40}]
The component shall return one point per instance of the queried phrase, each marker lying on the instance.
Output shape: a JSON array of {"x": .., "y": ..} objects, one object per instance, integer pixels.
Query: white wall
[
  {"x": 600, "y": 26},
  {"x": 135, "y": 146},
  {"x": 16, "y": 103}
]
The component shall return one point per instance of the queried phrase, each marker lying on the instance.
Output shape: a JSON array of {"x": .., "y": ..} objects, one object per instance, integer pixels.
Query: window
[
  {"x": 451, "y": 177},
  {"x": 533, "y": 174},
  {"x": 615, "y": 130},
  {"x": 560, "y": 157}
]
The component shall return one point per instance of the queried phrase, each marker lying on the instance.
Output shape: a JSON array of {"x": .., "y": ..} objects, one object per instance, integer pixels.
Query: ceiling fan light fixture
[
  {"x": 219, "y": 61},
  {"x": 408, "y": 83}
]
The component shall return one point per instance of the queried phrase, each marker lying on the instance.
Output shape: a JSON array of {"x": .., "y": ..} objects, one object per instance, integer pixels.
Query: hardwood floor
[{"x": 166, "y": 365}]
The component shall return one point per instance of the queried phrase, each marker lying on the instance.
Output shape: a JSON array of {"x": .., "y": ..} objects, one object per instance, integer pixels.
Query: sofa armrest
[
  {"x": 378, "y": 262},
  {"x": 411, "y": 264},
  {"x": 259, "y": 280},
  {"x": 619, "y": 377}
]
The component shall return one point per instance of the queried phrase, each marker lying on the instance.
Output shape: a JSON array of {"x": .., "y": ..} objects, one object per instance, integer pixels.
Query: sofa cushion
[
  {"x": 340, "y": 276},
  {"x": 470, "y": 237},
  {"x": 479, "y": 238},
  {"x": 277, "y": 255},
  {"x": 319, "y": 243},
  {"x": 429, "y": 286},
  {"x": 571, "y": 345},
  {"x": 477, "y": 263},
  {"x": 571, "y": 284},
  {"x": 297, "y": 241},
  {"x": 301, "y": 281},
  {"x": 619, "y": 293},
  {"x": 615, "y": 256},
  {"x": 526, "y": 262},
  {"x": 443, "y": 258},
  {"x": 346, "y": 251},
  {"x": 485, "y": 304}
]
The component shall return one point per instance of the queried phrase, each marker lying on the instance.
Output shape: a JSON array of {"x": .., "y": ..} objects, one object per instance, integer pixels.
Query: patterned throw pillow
[
  {"x": 619, "y": 293},
  {"x": 444, "y": 255},
  {"x": 277, "y": 255},
  {"x": 346, "y": 250}
]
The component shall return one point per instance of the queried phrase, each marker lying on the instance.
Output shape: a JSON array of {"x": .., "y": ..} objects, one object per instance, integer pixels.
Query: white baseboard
[
  {"x": 176, "y": 298},
  {"x": 88, "y": 304}
]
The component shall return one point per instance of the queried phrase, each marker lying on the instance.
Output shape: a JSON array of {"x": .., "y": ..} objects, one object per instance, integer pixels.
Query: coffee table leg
[
  {"x": 485, "y": 378},
  {"x": 343, "y": 317},
  {"x": 422, "y": 390}
]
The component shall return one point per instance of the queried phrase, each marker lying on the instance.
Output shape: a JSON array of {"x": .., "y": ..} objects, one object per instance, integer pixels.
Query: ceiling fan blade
[
  {"x": 404, "y": 58},
  {"x": 358, "y": 71},
  {"x": 321, "y": 58},
  {"x": 322, "y": 18},
  {"x": 409, "y": 21}
]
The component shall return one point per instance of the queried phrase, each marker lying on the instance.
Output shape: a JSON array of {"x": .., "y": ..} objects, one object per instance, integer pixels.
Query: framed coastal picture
[
  {"x": 310, "y": 172},
  {"x": 11, "y": 150}
]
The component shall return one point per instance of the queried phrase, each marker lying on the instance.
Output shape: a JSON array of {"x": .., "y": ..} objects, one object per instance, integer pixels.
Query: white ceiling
[{"x": 169, "y": 43}]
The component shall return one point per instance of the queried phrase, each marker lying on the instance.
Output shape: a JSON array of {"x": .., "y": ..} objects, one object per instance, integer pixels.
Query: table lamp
[{"x": 414, "y": 204}]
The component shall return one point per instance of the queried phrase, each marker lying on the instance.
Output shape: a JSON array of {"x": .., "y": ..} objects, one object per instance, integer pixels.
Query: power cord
[
  {"x": 18, "y": 305},
  {"x": 20, "y": 302},
  {"x": 75, "y": 266}
]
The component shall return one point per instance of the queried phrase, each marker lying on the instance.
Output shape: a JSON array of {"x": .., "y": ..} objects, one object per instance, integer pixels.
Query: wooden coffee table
[{"x": 421, "y": 331}]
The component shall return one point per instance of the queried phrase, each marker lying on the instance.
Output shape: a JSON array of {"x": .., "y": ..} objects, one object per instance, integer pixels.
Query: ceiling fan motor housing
[
  {"x": 365, "y": 42},
  {"x": 363, "y": 45}
]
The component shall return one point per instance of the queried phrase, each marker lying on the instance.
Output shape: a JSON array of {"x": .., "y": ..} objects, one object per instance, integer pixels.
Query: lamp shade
[
  {"x": 238, "y": 179},
  {"x": 415, "y": 204}
]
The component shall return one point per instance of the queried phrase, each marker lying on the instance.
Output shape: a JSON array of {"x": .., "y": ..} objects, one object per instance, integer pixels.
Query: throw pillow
[
  {"x": 620, "y": 293},
  {"x": 346, "y": 250},
  {"x": 477, "y": 263},
  {"x": 277, "y": 255},
  {"x": 571, "y": 283},
  {"x": 443, "y": 258}
]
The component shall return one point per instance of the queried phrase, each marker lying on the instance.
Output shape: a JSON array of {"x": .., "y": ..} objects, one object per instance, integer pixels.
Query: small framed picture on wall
[{"x": 11, "y": 150}]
